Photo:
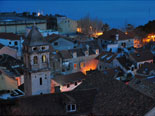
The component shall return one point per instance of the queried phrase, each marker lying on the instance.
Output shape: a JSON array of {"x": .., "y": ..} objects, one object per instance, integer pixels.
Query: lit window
[
  {"x": 97, "y": 51},
  {"x": 71, "y": 107},
  {"x": 43, "y": 58},
  {"x": 82, "y": 64},
  {"x": 75, "y": 66},
  {"x": 35, "y": 60}
]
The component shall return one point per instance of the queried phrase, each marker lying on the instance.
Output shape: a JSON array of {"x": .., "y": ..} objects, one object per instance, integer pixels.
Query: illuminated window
[
  {"x": 35, "y": 60},
  {"x": 75, "y": 66},
  {"x": 43, "y": 58},
  {"x": 97, "y": 51},
  {"x": 82, "y": 64}
]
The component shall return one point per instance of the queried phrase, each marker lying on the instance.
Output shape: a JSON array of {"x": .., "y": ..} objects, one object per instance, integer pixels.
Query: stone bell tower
[{"x": 37, "y": 62}]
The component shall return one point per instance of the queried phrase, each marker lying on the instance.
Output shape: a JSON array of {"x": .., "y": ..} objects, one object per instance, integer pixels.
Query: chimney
[
  {"x": 117, "y": 37},
  {"x": 74, "y": 54}
]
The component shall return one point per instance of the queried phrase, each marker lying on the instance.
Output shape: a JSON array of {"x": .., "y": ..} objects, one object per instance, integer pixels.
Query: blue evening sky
[{"x": 115, "y": 13}]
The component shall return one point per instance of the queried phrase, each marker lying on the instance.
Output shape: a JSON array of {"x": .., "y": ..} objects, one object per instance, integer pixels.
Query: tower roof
[{"x": 35, "y": 38}]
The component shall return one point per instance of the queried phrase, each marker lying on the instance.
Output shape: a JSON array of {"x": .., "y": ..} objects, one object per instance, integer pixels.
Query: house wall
[
  {"x": 64, "y": 88},
  {"x": 78, "y": 61},
  {"x": 66, "y": 25},
  {"x": 129, "y": 43},
  {"x": 112, "y": 47},
  {"x": 102, "y": 66},
  {"x": 62, "y": 44},
  {"x": 19, "y": 27},
  {"x": 7, "y": 83}
]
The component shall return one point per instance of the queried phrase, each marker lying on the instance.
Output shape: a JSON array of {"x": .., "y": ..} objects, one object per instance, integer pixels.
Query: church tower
[{"x": 37, "y": 62}]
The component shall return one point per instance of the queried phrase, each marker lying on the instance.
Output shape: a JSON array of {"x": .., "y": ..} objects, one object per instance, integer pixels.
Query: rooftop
[
  {"x": 9, "y": 36},
  {"x": 114, "y": 97},
  {"x": 111, "y": 35},
  {"x": 141, "y": 56},
  {"x": 70, "y": 78},
  {"x": 35, "y": 38},
  {"x": 50, "y": 104}
]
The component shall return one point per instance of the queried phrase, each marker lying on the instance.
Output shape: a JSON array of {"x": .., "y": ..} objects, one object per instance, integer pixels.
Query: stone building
[
  {"x": 36, "y": 58},
  {"x": 13, "y": 23},
  {"x": 66, "y": 25}
]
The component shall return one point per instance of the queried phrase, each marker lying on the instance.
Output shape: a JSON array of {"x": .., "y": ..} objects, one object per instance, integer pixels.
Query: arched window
[
  {"x": 43, "y": 58},
  {"x": 35, "y": 60}
]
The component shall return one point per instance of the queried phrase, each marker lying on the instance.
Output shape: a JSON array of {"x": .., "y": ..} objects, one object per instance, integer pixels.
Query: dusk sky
[{"x": 115, "y": 13}]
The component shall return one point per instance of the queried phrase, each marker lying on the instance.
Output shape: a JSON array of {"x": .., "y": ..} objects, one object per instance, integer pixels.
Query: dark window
[
  {"x": 75, "y": 83},
  {"x": 35, "y": 60},
  {"x": 34, "y": 49},
  {"x": 9, "y": 42},
  {"x": 68, "y": 107},
  {"x": 40, "y": 81},
  {"x": 55, "y": 43},
  {"x": 68, "y": 85},
  {"x": 16, "y": 43},
  {"x": 73, "y": 107},
  {"x": 132, "y": 68},
  {"x": 43, "y": 48}
]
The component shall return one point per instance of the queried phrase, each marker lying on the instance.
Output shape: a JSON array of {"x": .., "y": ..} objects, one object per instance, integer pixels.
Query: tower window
[
  {"x": 43, "y": 58},
  {"x": 43, "y": 48},
  {"x": 35, "y": 60},
  {"x": 16, "y": 43},
  {"x": 40, "y": 81},
  {"x": 35, "y": 48}
]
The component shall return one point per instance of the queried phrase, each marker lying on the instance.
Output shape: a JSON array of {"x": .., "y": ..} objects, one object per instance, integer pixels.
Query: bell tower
[{"x": 37, "y": 62}]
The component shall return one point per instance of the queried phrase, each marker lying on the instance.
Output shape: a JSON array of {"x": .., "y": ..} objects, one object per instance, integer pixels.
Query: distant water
[{"x": 115, "y": 13}]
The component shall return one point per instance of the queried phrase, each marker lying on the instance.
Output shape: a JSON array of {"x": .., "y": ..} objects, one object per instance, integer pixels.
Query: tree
[
  {"x": 89, "y": 25},
  {"x": 105, "y": 27},
  {"x": 129, "y": 27}
]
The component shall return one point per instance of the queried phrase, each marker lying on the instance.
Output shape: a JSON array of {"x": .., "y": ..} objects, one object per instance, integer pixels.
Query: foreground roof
[
  {"x": 114, "y": 97},
  {"x": 50, "y": 104}
]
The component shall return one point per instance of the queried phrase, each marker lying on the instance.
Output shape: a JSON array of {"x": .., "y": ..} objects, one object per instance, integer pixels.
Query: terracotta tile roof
[
  {"x": 145, "y": 85},
  {"x": 114, "y": 97},
  {"x": 50, "y": 104},
  {"x": 11, "y": 65},
  {"x": 70, "y": 78},
  {"x": 111, "y": 35},
  {"x": 9, "y": 36},
  {"x": 140, "y": 56}
]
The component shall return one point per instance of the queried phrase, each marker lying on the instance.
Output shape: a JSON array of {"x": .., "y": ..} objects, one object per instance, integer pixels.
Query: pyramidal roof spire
[{"x": 35, "y": 38}]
